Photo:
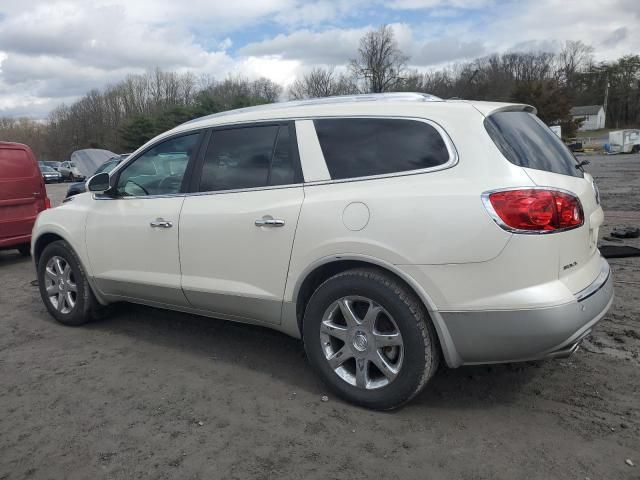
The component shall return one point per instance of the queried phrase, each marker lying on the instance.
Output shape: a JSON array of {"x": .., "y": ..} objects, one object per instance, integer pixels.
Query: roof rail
[{"x": 367, "y": 97}]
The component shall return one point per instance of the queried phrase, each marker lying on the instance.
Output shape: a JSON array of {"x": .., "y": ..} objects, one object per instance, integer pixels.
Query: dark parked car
[
  {"x": 49, "y": 175},
  {"x": 52, "y": 164},
  {"x": 79, "y": 187}
]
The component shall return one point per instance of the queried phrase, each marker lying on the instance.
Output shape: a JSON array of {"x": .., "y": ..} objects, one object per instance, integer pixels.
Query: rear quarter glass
[
  {"x": 526, "y": 141},
  {"x": 361, "y": 147}
]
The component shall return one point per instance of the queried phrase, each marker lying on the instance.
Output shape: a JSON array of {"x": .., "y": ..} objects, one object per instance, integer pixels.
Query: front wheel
[
  {"x": 63, "y": 285},
  {"x": 370, "y": 339}
]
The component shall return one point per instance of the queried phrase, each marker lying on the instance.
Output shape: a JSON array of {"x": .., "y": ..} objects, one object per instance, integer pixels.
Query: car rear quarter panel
[{"x": 430, "y": 218}]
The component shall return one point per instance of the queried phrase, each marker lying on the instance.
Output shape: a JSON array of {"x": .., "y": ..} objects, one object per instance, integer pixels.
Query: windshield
[
  {"x": 44, "y": 168},
  {"x": 526, "y": 141}
]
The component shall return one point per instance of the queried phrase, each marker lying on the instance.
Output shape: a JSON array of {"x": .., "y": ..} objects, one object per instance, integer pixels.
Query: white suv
[{"x": 386, "y": 231}]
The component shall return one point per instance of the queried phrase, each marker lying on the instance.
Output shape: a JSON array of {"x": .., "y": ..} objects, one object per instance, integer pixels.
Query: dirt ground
[{"x": 153, "y": 394}]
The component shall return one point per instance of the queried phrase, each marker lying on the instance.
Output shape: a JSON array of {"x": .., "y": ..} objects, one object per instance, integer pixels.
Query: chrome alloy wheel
[
  {"x": 361, "y": 342},
  {"x": 60, "y": 284}
]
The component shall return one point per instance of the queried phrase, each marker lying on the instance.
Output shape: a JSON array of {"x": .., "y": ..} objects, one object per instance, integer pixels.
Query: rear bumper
[{"x": 519, "y": 335}]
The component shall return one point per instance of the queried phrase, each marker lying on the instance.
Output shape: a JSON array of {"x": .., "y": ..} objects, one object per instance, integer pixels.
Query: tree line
[{"x": 123, "y": 116}]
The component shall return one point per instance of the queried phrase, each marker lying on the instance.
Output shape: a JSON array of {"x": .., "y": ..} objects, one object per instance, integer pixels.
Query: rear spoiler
[{"x": 489, "y": 108}]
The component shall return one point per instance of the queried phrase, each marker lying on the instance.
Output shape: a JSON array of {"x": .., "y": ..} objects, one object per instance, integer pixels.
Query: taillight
[
  {"x": 47, "y": 203},
  {"x": 534, "y": 210}
]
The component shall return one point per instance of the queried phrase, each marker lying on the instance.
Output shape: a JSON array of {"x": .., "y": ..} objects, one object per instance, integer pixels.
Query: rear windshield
[{"x": 525, "y": 141}]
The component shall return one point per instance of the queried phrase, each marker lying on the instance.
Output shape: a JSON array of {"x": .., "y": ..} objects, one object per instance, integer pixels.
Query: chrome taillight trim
[{"x": 496, "y": 218}]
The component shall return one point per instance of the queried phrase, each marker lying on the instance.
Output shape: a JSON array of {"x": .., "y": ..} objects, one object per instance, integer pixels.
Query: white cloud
[
  {"x": 329, "y": 47},
  {"x": 424, "y": 4},
  {"x": 594, "y": 23},
  {"x": 274, "y": 68},
  {"x": 56, "y": 50},
  {"x": 337, "y": 46}
]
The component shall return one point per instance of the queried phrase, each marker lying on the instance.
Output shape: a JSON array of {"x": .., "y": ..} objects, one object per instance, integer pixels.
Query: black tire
[
  {"x": 24, "y": 249},
  {"x": 421, "y": 349},
  {"x": 86, "y": 306}
]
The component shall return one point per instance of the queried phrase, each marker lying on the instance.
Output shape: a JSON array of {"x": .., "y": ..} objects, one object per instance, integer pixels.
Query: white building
[{"x": 592, "y": 116}]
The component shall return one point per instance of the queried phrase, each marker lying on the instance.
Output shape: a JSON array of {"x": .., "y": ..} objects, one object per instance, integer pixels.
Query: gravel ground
[{"x": 153, "y": 394}]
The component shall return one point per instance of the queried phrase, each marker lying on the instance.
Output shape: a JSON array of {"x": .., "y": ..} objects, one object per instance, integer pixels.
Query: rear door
[
  {"x": 22, "y": 193},
  {"x": 237, "y": 227},
  {"x": 524, "y": 140}
]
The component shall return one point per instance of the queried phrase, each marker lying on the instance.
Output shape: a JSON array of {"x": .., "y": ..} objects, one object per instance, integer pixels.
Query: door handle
[
  {"x": 269, "y": 221},
  {"x": 161, "y": 223}
]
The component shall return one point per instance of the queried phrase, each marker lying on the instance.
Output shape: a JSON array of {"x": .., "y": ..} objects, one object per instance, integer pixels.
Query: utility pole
[{"x": 606, "y": 96}]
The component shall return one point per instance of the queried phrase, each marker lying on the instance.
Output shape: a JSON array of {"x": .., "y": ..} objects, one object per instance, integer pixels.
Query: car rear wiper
[{"x": 582, "y": 164}]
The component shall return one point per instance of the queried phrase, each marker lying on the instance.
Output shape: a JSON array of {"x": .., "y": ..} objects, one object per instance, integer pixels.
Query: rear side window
[
  {"x": 249, "y": 157},
  {"x": 525, "y": 141},
  {"x": 15, "y": 163},
  {"x": 360, "y": 147}
]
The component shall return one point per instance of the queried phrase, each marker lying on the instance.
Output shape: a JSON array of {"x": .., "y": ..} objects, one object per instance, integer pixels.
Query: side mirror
[{"x": 99, "y": 182}]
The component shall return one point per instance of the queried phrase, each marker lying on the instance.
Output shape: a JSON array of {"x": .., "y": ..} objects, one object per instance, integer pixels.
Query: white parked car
[
  {"x": 70, "y": 171},
  {"x": 387, "y": 231}
]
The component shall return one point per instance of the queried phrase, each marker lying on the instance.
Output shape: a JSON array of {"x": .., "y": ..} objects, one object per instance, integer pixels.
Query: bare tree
[
  {"x": 574, "y": 57},
  {"x": 380, "y": 63},
  {"x": 321, "y": 82}
]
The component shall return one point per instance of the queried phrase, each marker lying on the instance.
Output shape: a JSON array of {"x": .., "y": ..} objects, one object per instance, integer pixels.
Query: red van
[{"x": 22, "y": 196}]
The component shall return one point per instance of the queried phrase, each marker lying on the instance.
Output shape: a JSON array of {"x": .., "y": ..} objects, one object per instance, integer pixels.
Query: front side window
[
  {"x": 160, "y": 170},
  {"x": 361, "y": 147},
  {"x": 248, "y": 157},
  {"x": 107, "y": 166}
]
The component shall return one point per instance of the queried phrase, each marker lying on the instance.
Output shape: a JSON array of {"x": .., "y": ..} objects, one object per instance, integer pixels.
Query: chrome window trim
[
  {"x": 244, "y": 190},
  {"x": 498, "y": 221},
  {"x": 102, "y": 196}
]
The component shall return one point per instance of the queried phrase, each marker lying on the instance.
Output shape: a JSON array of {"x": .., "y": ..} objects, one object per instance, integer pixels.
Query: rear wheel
[
  {"x": 370, "y": 339},
  {"x": 63, "y": 285}
]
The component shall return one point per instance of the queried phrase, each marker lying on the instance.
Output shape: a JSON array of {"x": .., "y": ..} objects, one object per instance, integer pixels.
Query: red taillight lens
[
  {"x": 536, "y": 210},
  {"x": 47, "y": 203}
]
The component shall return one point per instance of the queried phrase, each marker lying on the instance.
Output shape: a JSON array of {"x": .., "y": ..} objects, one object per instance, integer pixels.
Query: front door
[
  {"x": 237, "y": 232},
  {"x": 132, "y": 235}
]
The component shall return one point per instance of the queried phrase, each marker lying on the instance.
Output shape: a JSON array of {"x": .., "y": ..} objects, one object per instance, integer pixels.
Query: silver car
[{"x": 70, "y": 171}]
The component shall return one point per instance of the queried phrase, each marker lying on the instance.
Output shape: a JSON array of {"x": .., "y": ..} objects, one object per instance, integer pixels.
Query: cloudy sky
[{"x": 52, "y": 51}]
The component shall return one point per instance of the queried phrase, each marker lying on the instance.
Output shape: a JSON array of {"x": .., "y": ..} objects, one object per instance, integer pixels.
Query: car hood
[{"x": 88, "y": 160}]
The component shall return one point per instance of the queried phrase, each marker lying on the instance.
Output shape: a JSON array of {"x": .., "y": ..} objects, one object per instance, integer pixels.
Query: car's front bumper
[{"x": 518, "y": 335}]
